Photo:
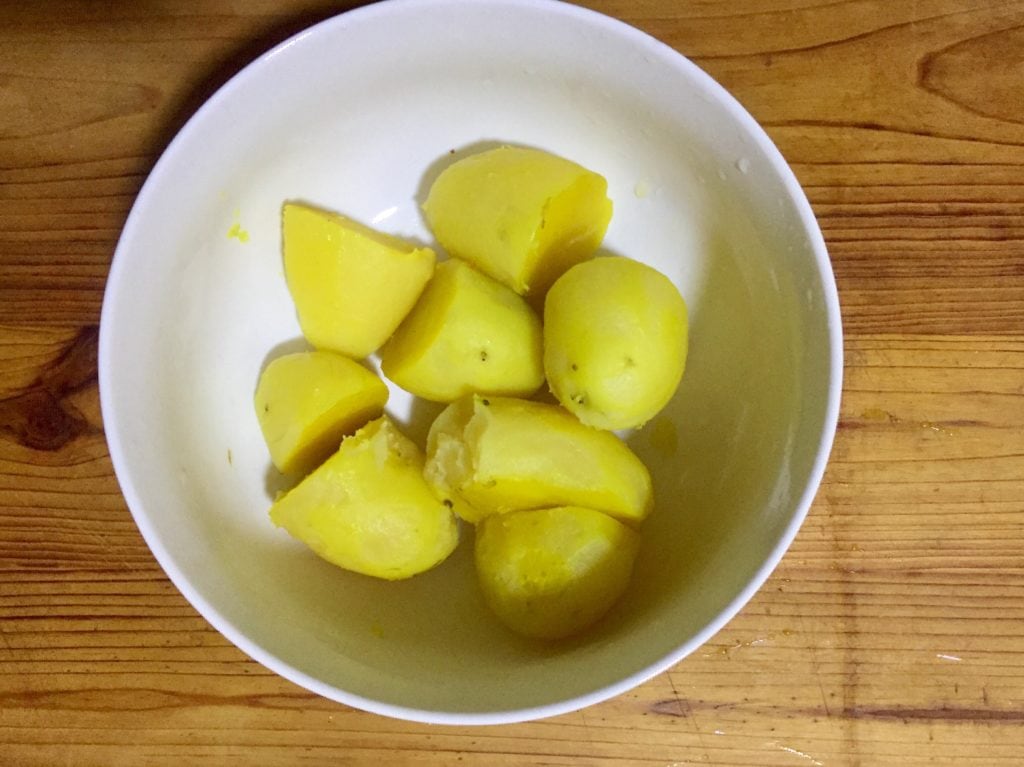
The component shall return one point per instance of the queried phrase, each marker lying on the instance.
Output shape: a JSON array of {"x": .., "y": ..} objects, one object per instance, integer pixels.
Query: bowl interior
[{"x": 358, "y": 115}]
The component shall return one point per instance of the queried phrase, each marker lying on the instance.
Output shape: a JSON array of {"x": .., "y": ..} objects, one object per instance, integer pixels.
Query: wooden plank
[{"x": 890, "y": 633}]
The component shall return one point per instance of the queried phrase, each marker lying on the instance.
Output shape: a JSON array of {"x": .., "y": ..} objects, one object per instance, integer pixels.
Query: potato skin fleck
[{"x": 492, "y": 455}]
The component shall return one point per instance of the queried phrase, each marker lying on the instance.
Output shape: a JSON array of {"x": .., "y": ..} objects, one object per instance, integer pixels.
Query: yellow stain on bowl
[{"x": 238, "y": 233}]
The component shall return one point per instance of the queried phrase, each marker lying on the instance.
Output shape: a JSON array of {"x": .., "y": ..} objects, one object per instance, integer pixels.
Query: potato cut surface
[
  {"x": 490, "y": 455},
  {"x": 306, "y": 402},
  {"x": 467, "y": 333},
  {"x": 352, "y": 286},
  {"x": 368, "y": 508},
  {"x": 521, "y": 215}
]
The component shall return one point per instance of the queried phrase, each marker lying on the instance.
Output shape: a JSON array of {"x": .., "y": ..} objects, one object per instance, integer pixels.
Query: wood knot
[
  {"x": 37, "y": 420},
  {"x": 38, "y": 417}
]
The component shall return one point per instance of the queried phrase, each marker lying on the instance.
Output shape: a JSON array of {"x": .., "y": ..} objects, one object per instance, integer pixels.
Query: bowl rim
[{"x": 112, "y": 424}]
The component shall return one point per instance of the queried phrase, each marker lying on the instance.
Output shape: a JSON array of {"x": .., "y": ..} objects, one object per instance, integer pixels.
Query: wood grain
[{"x": 892, "y": 632}]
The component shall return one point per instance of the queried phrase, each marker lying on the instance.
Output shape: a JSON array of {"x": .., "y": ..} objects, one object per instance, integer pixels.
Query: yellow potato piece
[
  {"x": 352, "y": 286},
  {"x": 489, "y": 455},
  {"x": 448, "y": 457},
  {"x": 521, "y": 215},
  {"x": 467, "y": 333},
  {"x": 550, "y": 573},
  {"x": 368, "y": 508},
  {"x": 615, "y": 340},
  {"x": 306, "y": 402}
]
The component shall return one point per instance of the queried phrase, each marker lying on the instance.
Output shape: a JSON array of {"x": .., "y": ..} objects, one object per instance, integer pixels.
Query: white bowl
[{"x": 358, "y": 114}]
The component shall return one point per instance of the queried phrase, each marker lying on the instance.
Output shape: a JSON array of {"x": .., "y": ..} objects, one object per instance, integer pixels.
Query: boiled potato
[
  {"x": 368, "y": 508},
  {"x": 521, "y": 215},
  {"x": 550, "y": 573},
  {"x": 447, "y": 457},
  {"x": 352, "y": 286},
  {"x": 306, "y": 402},
  {"x": 615, "y": 337},
  {"x": 488, "y": 455},
  {"x": 467, "y": 333}
]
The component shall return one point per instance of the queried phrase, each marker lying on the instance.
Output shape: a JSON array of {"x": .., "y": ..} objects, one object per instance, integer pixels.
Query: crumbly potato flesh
[
  {"x": 490, "y": 455},
  {"x": 368, "y": 508}
]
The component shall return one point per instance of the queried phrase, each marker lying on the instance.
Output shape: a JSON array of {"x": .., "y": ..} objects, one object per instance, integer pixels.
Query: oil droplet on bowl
[
  {"x": 642, "y": 189},
  {"x": 743, "y": 165}
]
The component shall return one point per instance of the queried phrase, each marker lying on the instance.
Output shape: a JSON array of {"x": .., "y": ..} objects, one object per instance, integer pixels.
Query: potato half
[
  {"x": 489, "y": 455},
  {"x": 467, "y": 333},
  {"x": 352, "y": 286},
  {"x": 368, "y": 508},
  {"x": 521, "y": 215},
  {"x": 306, "y": 402}
]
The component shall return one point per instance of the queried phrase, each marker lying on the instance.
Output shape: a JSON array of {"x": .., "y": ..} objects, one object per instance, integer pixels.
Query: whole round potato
[
  {"x": 615, "y": 337},
  {"x": 550, "y": 573}
]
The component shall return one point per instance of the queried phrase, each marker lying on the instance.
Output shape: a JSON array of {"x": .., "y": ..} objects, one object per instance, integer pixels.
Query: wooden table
[{"x": 893, "y": 631}]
